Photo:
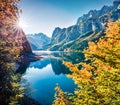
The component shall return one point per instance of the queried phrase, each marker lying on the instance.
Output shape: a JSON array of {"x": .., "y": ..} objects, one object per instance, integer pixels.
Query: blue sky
[{"x": 44, "y": 15}]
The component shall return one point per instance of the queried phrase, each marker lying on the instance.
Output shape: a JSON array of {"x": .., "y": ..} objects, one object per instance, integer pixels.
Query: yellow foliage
[
  {"x": 9, "y": 51},
  {"x": 99, "y": 80},
  {"x": 9, "y": 17},
  {"x": 60, "y": 97}
]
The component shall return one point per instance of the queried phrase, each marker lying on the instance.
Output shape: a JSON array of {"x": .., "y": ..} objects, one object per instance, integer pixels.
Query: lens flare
[{"x": 22, "y": 24}]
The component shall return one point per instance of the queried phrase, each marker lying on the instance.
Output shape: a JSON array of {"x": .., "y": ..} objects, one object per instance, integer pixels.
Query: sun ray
[{"x": 22, "y": 24}]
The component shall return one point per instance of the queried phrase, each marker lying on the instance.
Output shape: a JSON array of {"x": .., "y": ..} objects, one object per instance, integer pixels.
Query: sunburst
[{"x": 22, "y": 24}]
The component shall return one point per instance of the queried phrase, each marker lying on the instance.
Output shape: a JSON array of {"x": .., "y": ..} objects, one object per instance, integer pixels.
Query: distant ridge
[
  {"x": 37, "y": 41},
  {"x": 89, "y": 27}
]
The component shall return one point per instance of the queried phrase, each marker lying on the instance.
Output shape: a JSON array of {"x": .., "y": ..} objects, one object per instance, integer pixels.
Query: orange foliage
[
  {"x": 106, "y": 48},
  {"x": 60, "y": 97},
  {"x": 98, "y": 81},
  {"x": 9, "y": 16}
]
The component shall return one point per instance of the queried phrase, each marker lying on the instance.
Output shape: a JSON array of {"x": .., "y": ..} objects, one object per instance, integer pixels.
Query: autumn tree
[
  {"x": 10, "y": 90},
  {"x": 9, "y": 26},
  {"x": 61, "y": 97},
  {"x": 98, "y": 79}
]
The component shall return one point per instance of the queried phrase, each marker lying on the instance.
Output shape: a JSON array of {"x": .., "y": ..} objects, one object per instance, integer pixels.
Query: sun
[{"x": 22, "y": 24}]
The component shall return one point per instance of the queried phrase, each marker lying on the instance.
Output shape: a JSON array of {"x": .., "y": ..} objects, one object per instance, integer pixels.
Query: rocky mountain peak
[
  {"x": 116, "y": 3},
  {"x": 89, "y": 27},
  {"x": 56, "y": 31},
  {"x": 38, "y": 40},
  {"x": 93, "y": 21}
]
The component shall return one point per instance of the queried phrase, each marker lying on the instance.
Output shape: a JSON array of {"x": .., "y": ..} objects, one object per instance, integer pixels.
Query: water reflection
[
  {"x": 43, "y": 75},
  {"x": 21, "y": 67},
  {"x": 58, "y": 67},
  {"x": 40, "y": 64}
]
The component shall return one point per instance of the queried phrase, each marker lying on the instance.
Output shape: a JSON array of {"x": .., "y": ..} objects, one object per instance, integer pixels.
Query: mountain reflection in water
[{"x": 43, "y": 75}]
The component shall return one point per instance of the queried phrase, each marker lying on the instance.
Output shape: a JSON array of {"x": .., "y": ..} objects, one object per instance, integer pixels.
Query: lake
[{"x": 41, "y": 77}]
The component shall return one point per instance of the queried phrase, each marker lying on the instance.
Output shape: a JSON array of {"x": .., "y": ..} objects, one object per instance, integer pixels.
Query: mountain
[
  {"x": 88, "y": 27},
  {"x": 37, "y": 41},
  {"x": 19, "y": 39}
]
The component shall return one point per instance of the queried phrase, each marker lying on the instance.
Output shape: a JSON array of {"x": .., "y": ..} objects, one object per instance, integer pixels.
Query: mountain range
[
  {"x": 37, "y": 41},
  {"x": 88, "y": 27}
]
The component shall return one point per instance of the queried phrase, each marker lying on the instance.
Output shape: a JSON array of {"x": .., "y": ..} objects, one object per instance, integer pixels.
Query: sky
[{"x": 44, "y": 15}]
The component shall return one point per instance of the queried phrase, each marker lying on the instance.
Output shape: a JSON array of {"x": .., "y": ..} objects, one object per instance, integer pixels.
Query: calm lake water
[{"x": 41, "y": 77}]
